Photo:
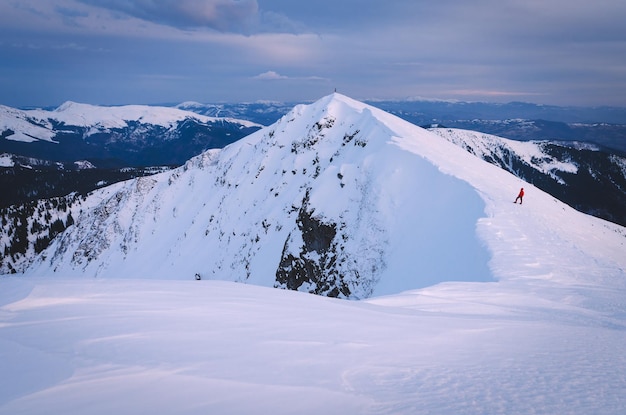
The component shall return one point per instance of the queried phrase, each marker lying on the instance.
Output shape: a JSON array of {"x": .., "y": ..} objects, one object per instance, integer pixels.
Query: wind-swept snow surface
[
  {"x": 208, "y": 347},
  {"x": 545, "y": 334}
]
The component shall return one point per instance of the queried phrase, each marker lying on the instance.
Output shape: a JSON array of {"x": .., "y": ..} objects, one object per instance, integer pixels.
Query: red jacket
[{"x": 521, "y": 193}]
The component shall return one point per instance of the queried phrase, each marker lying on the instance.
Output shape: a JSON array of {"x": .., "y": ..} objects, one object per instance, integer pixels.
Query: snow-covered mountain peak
[
  {"x": 336, "y": 198},
  {"x": 72, "y": 113},
  {"x": 73, "y": 106},
  {"x": 190, "y": 104}
]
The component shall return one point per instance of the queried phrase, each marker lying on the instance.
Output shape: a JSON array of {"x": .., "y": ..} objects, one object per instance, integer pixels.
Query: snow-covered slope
[
  {"x": 337, "y": 198},
  {"x": 17, "y": 125},
  {"x": 547, "y": 336},
  {"x": 488, "y": 146},
  {"x": 6, "y": 160},
  {"x": 91, "y": 347},
  {"x": 582, "y": 175}
]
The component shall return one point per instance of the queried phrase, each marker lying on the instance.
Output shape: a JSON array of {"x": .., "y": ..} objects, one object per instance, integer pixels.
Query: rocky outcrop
[{"x": 309, "y": 261}]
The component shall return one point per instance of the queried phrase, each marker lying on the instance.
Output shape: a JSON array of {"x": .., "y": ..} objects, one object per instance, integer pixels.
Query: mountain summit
[{"x": 337, "y": 198}]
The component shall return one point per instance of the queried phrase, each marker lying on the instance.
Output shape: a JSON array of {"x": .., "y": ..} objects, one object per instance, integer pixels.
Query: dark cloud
[
  {"x": 222, "y": 15},
  {"x": 344, "y": 15},
  {"x": 70, "y": 12}
]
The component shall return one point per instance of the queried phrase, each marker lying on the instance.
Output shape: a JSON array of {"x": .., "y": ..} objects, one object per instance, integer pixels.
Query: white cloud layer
[{"x": 270, "y": 75}]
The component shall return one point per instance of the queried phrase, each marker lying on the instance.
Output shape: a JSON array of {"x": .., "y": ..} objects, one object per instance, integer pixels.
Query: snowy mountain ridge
[
  {"x": 490, "y": 146},
  {"x": 32, "y": 125},
  {"x": 337, "y": 198},
  {"x": 115, "y": 137},
  {"x": 579, "y": 174}
]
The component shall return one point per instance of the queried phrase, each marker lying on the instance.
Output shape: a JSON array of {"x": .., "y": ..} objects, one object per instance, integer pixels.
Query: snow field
[{"x": 171, "y": 347}]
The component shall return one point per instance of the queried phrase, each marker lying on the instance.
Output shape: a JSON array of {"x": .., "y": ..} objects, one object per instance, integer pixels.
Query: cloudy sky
[{"x": 564, "y": 52}]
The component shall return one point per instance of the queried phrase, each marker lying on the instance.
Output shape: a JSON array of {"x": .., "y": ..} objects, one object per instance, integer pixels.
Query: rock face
[{"x": 309, "y": 258}]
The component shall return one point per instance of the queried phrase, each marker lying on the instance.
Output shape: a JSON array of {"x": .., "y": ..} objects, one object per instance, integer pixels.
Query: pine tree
[
  {"x": 41, "y": 243},
  {"x": 56, "y": 228},
  {"x": 19, "y": 244},
  {"x": 70, "y": 220}
]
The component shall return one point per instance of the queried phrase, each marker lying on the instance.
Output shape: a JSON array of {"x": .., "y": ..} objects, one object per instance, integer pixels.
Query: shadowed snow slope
[{"x": 342, "y": 199}]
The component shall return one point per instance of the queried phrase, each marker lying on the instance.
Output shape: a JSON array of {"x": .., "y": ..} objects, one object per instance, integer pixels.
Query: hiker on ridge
[{"x": 520, "y": 196}]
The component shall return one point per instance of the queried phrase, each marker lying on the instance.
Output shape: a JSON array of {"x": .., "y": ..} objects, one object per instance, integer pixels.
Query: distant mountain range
[
  {"x": 132, "y": 135},
  {"x": 604, "y": 126},
  {"x": 79, "y": 147}
]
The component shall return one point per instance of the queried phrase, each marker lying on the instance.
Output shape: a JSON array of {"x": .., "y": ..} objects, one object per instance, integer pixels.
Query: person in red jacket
[{"x": 520, "y": 196}]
